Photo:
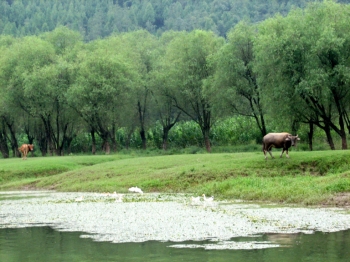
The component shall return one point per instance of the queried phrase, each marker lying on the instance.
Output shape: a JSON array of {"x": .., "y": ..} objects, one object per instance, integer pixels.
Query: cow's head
[
  {"x": 293, "y": 139},
  {"x": 30, "y": 147}
]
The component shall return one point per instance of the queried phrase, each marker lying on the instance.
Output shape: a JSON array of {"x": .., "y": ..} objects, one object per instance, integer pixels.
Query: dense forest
[
  {"x": 175, "y": 88},
  {"x": 101, "y": 18}
]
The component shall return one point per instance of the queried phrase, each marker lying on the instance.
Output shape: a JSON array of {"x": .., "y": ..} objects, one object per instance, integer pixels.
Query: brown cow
[
  {"x": 24, "y": 149},
  {"x": 279, "y": 140}
]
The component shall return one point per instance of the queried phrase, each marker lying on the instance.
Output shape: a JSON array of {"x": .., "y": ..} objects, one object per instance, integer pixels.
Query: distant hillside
[{"x": 101, "y": 18}]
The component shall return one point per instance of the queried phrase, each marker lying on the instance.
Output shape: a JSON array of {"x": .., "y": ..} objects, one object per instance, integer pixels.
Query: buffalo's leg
[
  {"x": 268, "y": 150},
  {"x": 269, "y": 153},
  {"x": 287, "y": 153},
  {"x": 282, "y": 153}
]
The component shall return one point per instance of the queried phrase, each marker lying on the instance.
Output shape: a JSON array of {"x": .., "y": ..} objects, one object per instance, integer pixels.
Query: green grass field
[{"x": 306, "y": 178}]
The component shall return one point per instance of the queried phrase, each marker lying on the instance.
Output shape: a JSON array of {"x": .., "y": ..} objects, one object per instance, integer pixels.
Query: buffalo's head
[
  {"x": 30, "y": 147},
  {"x": 293, "y": 139}
]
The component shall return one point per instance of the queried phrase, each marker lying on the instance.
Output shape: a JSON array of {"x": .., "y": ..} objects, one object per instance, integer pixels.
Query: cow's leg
[
  {"x": 267, "y": 149},
  {"x": 282, "y": 153},
  {"x": 287, "y": 153},
  {"x": 269, "y": 153}
]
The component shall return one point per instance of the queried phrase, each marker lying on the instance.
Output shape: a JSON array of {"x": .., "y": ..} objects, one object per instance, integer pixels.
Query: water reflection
[{"x": 46, "y": 244}]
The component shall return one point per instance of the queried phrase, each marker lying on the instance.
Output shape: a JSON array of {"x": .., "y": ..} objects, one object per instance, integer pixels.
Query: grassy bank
[{"x": 306, "y": 178}]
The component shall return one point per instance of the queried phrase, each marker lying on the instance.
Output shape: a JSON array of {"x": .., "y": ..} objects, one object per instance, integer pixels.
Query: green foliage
[
  {"x": 102, "y": 18},
  {"x": 129, "y": 89}
]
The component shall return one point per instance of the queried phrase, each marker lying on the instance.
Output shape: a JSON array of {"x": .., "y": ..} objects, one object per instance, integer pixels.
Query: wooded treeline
[
  {"x": 101, "y": 18},
  {"x": 283, "y": 73}
]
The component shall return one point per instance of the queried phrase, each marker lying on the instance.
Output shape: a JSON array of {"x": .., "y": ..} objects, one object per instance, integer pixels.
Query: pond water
[{"x": 46, "y": 244}]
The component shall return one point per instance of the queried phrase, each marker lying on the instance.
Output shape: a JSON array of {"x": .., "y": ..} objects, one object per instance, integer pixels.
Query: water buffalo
[
  {"x": 25, "y": 148},
  {"x": 278, "y": 140}
]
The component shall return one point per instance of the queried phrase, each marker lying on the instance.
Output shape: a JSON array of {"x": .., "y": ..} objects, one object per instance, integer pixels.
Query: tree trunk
[
  {"x": 259, "y": 119},
  {"x": 113, "y": 139},
  {"x": 41, "y": 139},
  {"x": 14, "y": 143},
  {"x": 127, "y": 139},
  {"x": 114, "y": 144},
  {"x": 165, "y": 137},
  {"x": 93, "y": 140},
  {"x": 206, "y": 133},
  {"x": 69, "y": 144},
  {"x": 207, "y": 144},
  {"x": 60, "y": 146},
  {"x": 263, "y": 125},
  {"x": 106, "y": 147},
  {"x": 142, "y": 114},
  {"x": 341, "y": 128},
  {"x": 3, "y": 145},
  {"x": 344, "y": 144},
  {"x": 48, "y": 134},
  {"x": 342, "y": 133},
  {"x": 143, "y": 139},
  {"x": 329, "y": 138},
  {"x": 167, "y": 125},
  {"x": 104, "y": 134},
  {"x": 310, "y": 135}
]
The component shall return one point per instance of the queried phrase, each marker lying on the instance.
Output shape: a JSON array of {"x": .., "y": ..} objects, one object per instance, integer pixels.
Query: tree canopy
[
  {"x": 101, "y": 18},
  {"x": 288, "y": 72}
]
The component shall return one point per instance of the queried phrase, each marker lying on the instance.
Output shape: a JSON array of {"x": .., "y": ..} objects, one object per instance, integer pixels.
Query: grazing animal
[
  {"x": 278, "y": 140},
  {"x": 24, "y": 149}
]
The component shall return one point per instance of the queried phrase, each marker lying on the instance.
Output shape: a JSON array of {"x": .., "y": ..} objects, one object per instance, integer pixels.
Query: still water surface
[{"x": 46, "y": 244}]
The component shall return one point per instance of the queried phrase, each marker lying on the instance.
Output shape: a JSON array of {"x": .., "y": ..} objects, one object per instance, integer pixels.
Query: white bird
[
  {"x": 119, "y": 198},
  {"x": 209, "y": 199},
  {"x": 79, "y": 199},
  {"x": 195, "y": 200},
  {"x": 135, "y": 190}
]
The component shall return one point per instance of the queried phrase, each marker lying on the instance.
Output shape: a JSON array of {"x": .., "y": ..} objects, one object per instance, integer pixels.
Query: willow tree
[
  {"x": 27, "y": 74},
  {"x": 191, "y": 75},
  {"x": 66, "y": 44},
  {"x": 9, "y": 112},
  {"x": 164, "y": 110},
  {"x": 144, "y": 46},
  {"x": 103, "y": 80},
  {"x": 303, "y": 61},
  {"x": 235, "y": 78}
]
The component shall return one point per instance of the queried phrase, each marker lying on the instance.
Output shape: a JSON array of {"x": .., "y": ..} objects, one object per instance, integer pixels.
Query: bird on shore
[
  {"x": 195, "y": 200},
  {"x": 209, "y": 199},
  {"x": 119, "y": 198},
  {"x": 135, "y": 190},
  {"x": 79, "y": 199}
]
